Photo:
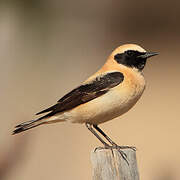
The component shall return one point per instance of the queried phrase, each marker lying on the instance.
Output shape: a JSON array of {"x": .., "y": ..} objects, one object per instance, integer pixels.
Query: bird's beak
[{"x": 148, "y": 55}]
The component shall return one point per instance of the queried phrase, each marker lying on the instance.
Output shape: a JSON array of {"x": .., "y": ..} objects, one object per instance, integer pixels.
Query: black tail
[
  {"x": 26, "y": 125},
  {"x": 47, "y": 110}
]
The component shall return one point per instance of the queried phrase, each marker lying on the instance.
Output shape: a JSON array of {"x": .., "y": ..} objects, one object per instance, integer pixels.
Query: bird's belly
[{"x": 110, "y": 105}]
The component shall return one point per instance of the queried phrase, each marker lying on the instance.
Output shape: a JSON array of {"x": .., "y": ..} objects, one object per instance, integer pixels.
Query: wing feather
[{"x": 84, "y": 93}]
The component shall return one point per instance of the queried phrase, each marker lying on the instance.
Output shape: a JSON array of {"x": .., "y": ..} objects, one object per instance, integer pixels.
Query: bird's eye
[{"x": 130, "y": 53}]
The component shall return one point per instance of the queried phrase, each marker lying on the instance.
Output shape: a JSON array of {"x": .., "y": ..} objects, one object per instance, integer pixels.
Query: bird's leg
[
  {"x": 89, "y": 126},
  {"x": 111, "y": 141},
  {"x": 114, "y": 145}
]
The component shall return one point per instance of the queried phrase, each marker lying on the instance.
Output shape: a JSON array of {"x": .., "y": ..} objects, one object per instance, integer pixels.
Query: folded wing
[{"x": 84, "y": 93}]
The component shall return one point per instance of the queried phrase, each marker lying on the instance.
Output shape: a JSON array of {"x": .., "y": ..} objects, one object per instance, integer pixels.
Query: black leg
[
  {"x": 110, "y": 140},
  {"x": 107, "y": 137},
  {"x": 89, "y": 126},
  {"x": 114, "y": 145}
]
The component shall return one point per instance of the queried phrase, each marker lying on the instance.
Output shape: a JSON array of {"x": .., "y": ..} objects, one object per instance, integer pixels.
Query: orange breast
[{"x": 115, "y": 102}]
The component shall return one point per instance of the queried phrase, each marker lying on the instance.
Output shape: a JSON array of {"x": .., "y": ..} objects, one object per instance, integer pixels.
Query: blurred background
[{"x": 48, "y": 47}]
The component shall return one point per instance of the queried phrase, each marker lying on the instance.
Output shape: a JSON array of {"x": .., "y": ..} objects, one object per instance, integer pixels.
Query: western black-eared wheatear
[{"x": 105, "y": 95}]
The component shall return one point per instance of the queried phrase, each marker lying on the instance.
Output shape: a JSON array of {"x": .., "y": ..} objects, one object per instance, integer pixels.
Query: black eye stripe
[
  {"x": 131, "y": 58},
  {"x": 118, "y": 56},
  {"x": 133, "y": 53},
  {"x": 128, "y": 53}
]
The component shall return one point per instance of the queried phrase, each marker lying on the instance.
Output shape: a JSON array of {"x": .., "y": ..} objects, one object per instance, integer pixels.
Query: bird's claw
[
  {"x": 115, "y": 146},
  {"x": 127, "y": 147},
  {"x": 99, "y": 148}
]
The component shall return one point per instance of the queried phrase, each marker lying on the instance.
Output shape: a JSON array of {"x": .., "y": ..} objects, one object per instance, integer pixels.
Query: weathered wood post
[{"x": 108, "y": 164}]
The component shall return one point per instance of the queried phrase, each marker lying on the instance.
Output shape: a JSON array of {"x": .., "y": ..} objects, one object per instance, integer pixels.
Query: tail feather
[
  {"x": 31, "y": 124},
  {"x": 47, "y": 110},
  {"x": 26, "y": 125}
]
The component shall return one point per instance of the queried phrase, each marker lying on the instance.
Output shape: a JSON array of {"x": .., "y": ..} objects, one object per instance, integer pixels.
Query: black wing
[{"x": 85, "y": 93}]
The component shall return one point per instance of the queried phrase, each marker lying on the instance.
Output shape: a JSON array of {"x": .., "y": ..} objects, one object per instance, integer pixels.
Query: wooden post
[{"x": 108, "y": 164}]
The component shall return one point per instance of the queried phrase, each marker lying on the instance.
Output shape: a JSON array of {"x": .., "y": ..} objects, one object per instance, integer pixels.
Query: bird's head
[{"x": 132, "y": 55}]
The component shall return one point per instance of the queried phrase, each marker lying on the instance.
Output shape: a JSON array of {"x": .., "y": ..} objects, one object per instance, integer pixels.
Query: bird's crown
[{"x": 128, "y": 47}]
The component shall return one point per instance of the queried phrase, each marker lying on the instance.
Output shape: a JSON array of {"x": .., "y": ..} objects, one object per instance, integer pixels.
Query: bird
[{"x": 110, "y": 92}]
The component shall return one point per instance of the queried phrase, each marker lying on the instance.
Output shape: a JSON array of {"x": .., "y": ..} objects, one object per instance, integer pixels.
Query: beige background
[{"x": 48, "y": 47}]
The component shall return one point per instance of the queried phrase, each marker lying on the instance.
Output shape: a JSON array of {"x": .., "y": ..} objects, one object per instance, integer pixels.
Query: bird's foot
[
  {"x": 119, "y": 149},
  {"x": 122, "y": 153},
  {"x": 127, "y": 147},
  {"x": 106, "y": 146}
]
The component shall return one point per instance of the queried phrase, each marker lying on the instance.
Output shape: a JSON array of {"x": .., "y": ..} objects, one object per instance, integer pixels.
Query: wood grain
[{"x": 108, "y": 164}]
